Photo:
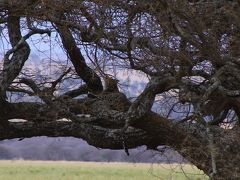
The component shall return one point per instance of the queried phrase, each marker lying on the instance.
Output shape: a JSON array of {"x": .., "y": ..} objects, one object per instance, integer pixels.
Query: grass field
[{"x": 63, "y": 170}]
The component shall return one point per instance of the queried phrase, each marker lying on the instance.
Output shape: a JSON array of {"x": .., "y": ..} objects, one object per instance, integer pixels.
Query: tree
[{"x": 189, "y": 50}]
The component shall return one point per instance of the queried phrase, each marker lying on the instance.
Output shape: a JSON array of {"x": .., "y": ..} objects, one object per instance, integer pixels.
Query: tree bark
[
  {"x": 191, "y": 141},
  {"x": 188, "y": 49}
]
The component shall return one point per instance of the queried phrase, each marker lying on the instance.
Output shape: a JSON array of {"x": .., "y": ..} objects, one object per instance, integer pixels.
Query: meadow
[{"x": 64, "y": 170}]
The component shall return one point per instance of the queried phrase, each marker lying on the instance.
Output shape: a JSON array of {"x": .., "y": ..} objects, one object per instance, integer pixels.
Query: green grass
[{"x": 63, "y": 170}]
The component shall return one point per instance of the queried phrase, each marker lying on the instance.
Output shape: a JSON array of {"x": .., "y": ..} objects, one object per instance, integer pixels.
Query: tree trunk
[{"x": 191, "y": 141}]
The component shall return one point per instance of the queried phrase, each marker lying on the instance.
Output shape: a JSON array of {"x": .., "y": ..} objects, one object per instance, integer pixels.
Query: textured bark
[
  {"x": 152, "y": 130},
  {"x": 92, "y": 80},
  {"x": 13, "y": 66},
  {"x": 188, "y": 49}
]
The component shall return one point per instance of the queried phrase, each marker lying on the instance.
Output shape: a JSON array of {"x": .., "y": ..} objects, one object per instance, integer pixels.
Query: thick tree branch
[
  {"x": 188, "y": 139},
  {"x": 145, "y": 100},
  {"x": 20, "y": 90},
  {"x": 12, "y": 67},
  {"x": 22, "y": 41},
  {"x": 76, "y": 92},
  {"x": 87, "y": 74}
]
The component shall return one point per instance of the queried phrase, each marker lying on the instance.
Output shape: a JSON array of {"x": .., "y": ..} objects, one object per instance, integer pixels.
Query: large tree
[{"x": 189, "y": 50}]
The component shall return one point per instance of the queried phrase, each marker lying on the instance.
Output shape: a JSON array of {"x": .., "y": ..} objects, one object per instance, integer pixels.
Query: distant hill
[{"x": 73, "y": 149}]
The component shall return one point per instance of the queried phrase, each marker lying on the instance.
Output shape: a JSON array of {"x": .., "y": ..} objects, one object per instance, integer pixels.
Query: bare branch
[
  {"x": 23, "y": 40},
  {"x": 76, "y": 92}
]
